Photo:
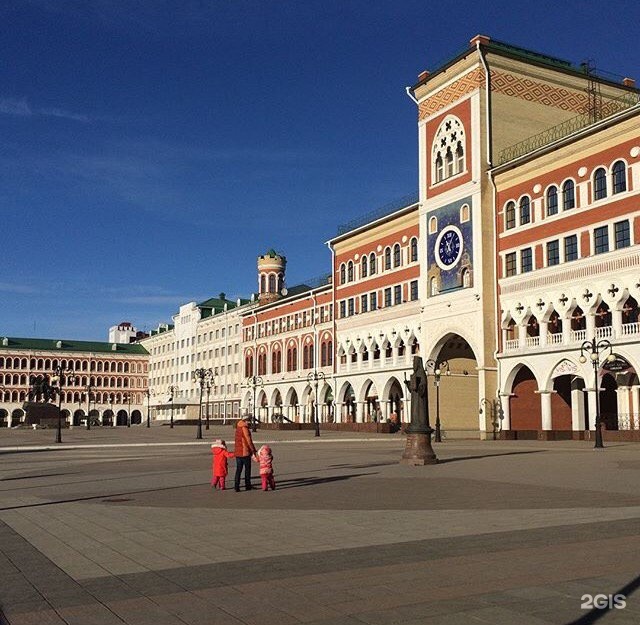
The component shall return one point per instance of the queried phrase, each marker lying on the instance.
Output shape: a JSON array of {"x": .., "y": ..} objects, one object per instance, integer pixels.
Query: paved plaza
[{"x": 120, "y": 525}]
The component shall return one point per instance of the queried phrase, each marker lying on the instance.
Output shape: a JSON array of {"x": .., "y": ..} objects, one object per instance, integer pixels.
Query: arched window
[
  {"x": 263, "y": 283},
  {"x": 248, "y": 366},
  {"x": 630, "y": 311},
  {"x": 387, "y": 258},
  {"x": 343, "y": 274},
  {"x": 292, "y": 359},
  {"x": 363, "y": 267},
  {"x": 396, "y": 255},
  {"x": 262, "y": 364},
  {"x": 448, "y": 147},
  {"x": 552, "y": 200},
  {"x": 619, "y": 175},
  {"x": 272, "y": 283},
  {"x": 510, "y": 215},
  {"x": 433, "y": 286},
  {"x": 433, "y": 225},
  {"x": 525, "y": 210},
  {"x": 568, "y": 195},
  {"x": 350, "y": 271},
  {"x": 439, "y": 168},
  {"x": 413, "y": 253},
  {"x": 465, "y": 213},
  {"x": 599, "y": 184},
  {"x": 466, "y": 278},
  {"x": 372, "y": 264}
]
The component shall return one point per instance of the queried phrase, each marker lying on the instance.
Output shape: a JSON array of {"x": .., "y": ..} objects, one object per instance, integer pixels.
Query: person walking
[
  {"x": 219, "y": 469},
  {"x": 244, "y": 449},
  {"x": 265, "y": 458}
]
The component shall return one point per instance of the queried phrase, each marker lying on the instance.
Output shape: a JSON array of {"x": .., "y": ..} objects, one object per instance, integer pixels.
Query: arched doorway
[
  {"x": 458, "y": 388},
  {"x": 562, "y": 401},
  {"x": 78, "y": 417},
  {"x": 136, "y": 417},
  {"x": 17, "y": 416},
  {"x": 121, "y": 417},
  {"x": 107, "y": 417},
  {"x": 524, "y": 402},
  {"x": 348, "y": 404},
  {"x": 395, "y": 397},
  {"x": 4, "y": 418},
  {"x": 371, "y": 403},
  {"x": 609, "y": 402},
  {"x": 293, "y": 405}
]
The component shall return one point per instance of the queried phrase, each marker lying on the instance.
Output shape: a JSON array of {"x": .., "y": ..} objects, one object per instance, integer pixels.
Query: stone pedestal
[{"x": 418, "y": 450}]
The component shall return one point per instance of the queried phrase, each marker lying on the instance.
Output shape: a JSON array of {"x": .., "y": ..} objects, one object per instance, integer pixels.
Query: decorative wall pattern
[{"x": 515, "y": 87}]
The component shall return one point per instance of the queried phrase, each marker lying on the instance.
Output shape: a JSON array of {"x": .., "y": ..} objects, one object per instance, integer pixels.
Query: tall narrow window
[
  {"x": 364, "y": 303},
  {"x": 568, "y": 195},
  {"x": 439, "y": 168},
  {"x": 448, "y": 150},
  {"x": 414, "y": 290},
  {"x": 397, "y": 294},
  {"x": 600, "y": 184},
  {"x": 526, "y": 260},
  {"x": 552, "y": 201},
  {"x": 414, "y": 250},
  {"x": 350, "y": 272},
  {"x": 510, "y": 215},
  {"x": 448, "y": 159},
  {"x": 622, "y": 234},
  {"x": 525, "y": 210},
  {"x": 510, "y": 264},
  {"x": 619, "y": 174},
  {"x": 343, "y": 274},
  {"x": 387, "y": 258},
  {"x": 601, "y": 240},
  {"x": 372, "y": 264},
  {"x": 373, "y": 301},
  {"x": 363, "y": 267},
  {"x": 571, "y": 248},
  {"x": 396, "y": 255},
  {"x": 553, "y": 253},
  {"x": 387, "y": 296},
  {"x": 459, "y": 157}
]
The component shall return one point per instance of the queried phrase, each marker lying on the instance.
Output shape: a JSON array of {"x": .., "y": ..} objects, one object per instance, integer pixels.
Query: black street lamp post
[
  {"x": 148, "y": 392},
  {"x": 594, "y": 349},
  {"x": 493, "y": 407},
  {"x": 172, "y": 390},
  {"x": 315, "y": 377},
  {"x": 439, "y": 369},
  {"x": 63, "y": 374},
  {"x": 89, "y": 387},
  {"x": 127, "y": 398},
  {"x": 201, "y": 376},
  {"x": 112, "y": 399},
  {"x": 254, "y": 381},
  {"x": 208, "y": 394}
]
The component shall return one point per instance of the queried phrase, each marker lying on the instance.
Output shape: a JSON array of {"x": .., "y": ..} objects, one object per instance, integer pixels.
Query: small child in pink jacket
[
  {"x": 219, "y": 465},
  {"x": 265, "y": 458}
]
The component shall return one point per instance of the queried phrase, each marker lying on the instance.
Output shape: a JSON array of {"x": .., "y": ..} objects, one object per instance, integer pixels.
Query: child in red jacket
[
  {"x": 219, "y": 465},
  {"x": 265, "y": 458}
]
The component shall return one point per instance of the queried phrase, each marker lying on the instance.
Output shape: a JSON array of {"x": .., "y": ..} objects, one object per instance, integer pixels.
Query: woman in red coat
[{"x": 219, "y": 465}]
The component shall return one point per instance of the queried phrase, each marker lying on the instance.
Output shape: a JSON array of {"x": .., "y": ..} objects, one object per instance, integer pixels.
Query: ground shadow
[
  {"x": 508, "y": 453},
  {"x": 298, "y": 482},
  {"x": 595, "y": 614},
  {"x": 361, "y": 466}
]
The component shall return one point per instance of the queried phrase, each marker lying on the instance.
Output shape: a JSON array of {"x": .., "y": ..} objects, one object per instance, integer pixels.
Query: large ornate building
[
  {"x": 107, "y": 381},
  {"x": 517, "y": 257}
]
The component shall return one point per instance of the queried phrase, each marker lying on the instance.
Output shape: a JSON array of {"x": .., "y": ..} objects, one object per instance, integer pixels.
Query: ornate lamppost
[
  {"x": 254, "y": 381},
  {"x": 315, "y": 377},
  {"x": 127, "y": 397},
  {"x": 491, "y": 406},
  {"x": 148, "y": 392},
  {"x": 112, "y": 399},
  {"x": 439, "y": 369},
  {"x": 201, "y": 376},
  {"x": 172, "y": 390},
  {"x": 63, "y": 375},
  {"x": 594, "y": 348},
  {"x": 209, "y": 384}
]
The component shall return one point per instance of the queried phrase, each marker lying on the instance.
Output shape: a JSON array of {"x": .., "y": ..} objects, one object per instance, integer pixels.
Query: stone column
[
  {"x": 591, "y": 399},
  {"x": 544, "y": 330},
  {"x": 506, "y": 411},
  {"x": 577, "y": 410},
  {"x": 616, "y": 322},
  {"x": 623, "y": 396},
  {"x": 545, "y": 405}
]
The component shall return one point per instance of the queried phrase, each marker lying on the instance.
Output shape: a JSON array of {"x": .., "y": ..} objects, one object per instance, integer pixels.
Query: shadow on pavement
[
  {"x": 313, "y": 481},
  {"x": 509, "y": 453}
]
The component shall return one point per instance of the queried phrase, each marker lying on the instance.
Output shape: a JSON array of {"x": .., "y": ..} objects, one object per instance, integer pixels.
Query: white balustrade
[
  {"x": 511, "y": 345},
  {"x": 630, "y": 328},
  {"x": 532, "y": 341},
  {"x": 577, "y": 336},
  {"x": 604, "y": 332},
  {"x": 554, "y": 338}
]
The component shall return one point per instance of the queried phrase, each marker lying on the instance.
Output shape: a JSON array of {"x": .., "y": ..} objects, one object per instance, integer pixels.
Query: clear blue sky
[{"x": 150, "y": 150}]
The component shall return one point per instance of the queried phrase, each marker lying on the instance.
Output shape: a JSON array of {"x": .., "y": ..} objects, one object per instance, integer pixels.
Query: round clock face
[{"x": 448, "y": 247}]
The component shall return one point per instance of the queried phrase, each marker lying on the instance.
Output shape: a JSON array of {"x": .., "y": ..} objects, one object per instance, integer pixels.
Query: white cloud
[{"x": 21, "y": 108}]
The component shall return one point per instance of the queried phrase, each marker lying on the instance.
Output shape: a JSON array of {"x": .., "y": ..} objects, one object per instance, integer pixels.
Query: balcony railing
[{"x": 575, "y": 337}]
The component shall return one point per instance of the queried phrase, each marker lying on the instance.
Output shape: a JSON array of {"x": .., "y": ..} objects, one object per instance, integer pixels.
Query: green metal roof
[{"x": 65, "y": 345}]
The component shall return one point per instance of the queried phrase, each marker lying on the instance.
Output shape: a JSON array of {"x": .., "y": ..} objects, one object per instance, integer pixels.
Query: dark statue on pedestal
[
  {"x": 38, "y": 408},
  {"x": 418, "y": 450}
]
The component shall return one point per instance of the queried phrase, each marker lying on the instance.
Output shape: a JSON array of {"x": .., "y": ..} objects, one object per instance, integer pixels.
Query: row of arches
[
  {"x": 77, "y": 417},
  {"x": 75, "y": 397},
  {"x": 270, "y": 360},
  {"x": 50, "y": 364}
]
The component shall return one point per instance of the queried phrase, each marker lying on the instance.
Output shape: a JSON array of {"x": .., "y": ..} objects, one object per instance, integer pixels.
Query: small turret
[{"x": 271, "y": 268}]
